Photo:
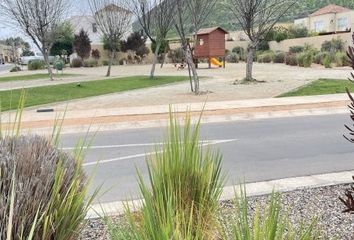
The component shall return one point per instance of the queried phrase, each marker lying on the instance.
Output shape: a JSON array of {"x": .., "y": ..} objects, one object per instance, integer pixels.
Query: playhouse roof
[
  {"x": 332, "y": 8},
  {"x": 210, "y": 30}
]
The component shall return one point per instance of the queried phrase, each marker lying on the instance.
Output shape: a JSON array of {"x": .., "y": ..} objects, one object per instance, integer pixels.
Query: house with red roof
[{"x": 330, "y": 19}]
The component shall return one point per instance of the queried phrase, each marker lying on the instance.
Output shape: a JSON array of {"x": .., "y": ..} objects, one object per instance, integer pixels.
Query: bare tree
[
  {"x": 199, "y": 11},
  {"x": 38, "y": 19},
  {"x": 155, "y": 18},
  {"x": 114, "y": 21},
  {"x": 180, "y": 21},
  {"x": 257, "y": 18}
]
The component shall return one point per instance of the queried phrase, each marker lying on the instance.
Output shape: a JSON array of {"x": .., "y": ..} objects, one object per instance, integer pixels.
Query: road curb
[
  {"x": 253, "y": 189},
  {"x": 206, "y": 119}
]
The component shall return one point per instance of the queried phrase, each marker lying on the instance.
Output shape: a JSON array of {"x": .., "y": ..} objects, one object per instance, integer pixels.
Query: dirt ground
[{"x": 218, "y": 84}]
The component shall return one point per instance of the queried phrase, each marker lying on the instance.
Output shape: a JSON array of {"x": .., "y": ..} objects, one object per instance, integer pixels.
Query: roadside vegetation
[
  {"x": 321, "y": 87},
  {"x": 65, "y": 92},
  {"x": 34, "y": 77}
]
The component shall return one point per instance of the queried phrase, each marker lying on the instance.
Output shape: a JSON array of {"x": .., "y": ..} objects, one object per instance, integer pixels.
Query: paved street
[
  {"x": 5, "y": 68},
  {"x": 253, "y": 150}
]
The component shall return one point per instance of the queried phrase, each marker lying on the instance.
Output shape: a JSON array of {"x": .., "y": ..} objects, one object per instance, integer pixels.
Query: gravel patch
[{"x": 303, "y": 205}]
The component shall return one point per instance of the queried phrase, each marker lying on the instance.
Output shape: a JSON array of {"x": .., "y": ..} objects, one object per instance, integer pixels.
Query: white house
[{"x": 330, "y": 19}]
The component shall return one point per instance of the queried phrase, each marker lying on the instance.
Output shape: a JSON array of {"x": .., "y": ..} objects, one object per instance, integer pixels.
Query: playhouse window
[{"x": 201, "y": 42}]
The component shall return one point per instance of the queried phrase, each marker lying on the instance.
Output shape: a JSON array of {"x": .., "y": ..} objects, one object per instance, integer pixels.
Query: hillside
[{"x": 222, "y": 16}]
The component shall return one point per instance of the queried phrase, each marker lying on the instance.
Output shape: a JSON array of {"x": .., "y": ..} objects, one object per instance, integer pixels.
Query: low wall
[{"x": 316, "y": 41}]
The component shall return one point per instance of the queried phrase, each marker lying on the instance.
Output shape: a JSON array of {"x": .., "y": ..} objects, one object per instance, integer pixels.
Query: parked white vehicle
[{"x": 37, "y": 56}]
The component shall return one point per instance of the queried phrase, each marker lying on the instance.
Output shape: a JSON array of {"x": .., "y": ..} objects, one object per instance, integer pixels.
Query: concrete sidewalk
[{"x": 154, "y": 116}]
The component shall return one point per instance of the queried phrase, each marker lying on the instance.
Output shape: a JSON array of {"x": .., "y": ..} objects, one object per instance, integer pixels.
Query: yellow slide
[{"x": 216, "y": 62}]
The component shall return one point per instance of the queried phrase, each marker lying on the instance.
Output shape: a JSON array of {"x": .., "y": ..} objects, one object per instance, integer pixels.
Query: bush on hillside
[
  {"x": 333, "y": 46},
  {"x": 296, "y": 49},
  {"x": 327, "y": 61},
  {"x": 232, "y": 58},
  {"x": 341, "y": 59},
  {"x": 36, "y": 65},
  {"x": 265, "y": 57},
  {"x": 291, "y": 59},
  {"x": 297, "y": 32},
  {"x": 304, "y": 59},
  {"x": 240, "y": 52},
  {"x": 279, "y": 57}
]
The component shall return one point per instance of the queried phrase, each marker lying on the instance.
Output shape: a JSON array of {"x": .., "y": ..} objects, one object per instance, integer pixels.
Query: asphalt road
[
  {"x": 253, "y": 151},
  {"x": 4, "y": 68}
]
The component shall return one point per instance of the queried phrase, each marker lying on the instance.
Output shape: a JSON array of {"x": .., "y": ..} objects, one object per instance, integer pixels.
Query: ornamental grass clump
[
  {"x": 182, "y": 194},
  {"x": 267, "y": 222},
  {"x": 42, "y": 188}
]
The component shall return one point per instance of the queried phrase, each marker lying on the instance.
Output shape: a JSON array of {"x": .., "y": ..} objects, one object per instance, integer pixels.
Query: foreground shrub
[
  {"x": 268, "y": 222},
  {"x": 49, "y": 183},
  {"x": 91, "y": 63},
  {"x": 305, "y": 59},
  {"x": 36, "y": 65},
  {"x": 232, "y": 58},
  {"x": 77, "y": 63},
  {"x": 181, "y": 198},
  {"x": 279, "y": 57},
  {"x": 59, "y": 65},
  {"x": 291, "y": 59}
]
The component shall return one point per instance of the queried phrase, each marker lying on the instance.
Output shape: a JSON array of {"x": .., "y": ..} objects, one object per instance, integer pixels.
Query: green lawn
[
  {"x": 57, "y": 93},
  {"x": 321, "y": 87},
  {"x": 34, "y": 77}
]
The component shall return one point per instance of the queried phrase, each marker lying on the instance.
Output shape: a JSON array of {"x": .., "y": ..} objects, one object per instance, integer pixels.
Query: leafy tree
[
  {"x": 27, "y": 52},
  {"x": 96, "y": 54},
  {"x": 135, "y": 42},
  {"x": 82, "y": 44},
  {"x": 64, "y": 46}
]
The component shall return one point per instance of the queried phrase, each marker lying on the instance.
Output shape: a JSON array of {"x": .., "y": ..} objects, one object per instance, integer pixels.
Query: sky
[{"x": 79, "y": 7}]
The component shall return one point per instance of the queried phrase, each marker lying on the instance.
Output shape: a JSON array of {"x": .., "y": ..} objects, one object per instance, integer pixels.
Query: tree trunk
[
  {"x": 190, "y": 62},
  {"x": 249, "y": 68},
  {"x": 110, "y": 63},
  {"x": 47, "y": 63},
  {"x": 156, "y": 55}
]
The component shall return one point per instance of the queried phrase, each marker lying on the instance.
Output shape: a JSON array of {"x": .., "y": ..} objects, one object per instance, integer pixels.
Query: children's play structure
[{"x": 211, "y": 45}]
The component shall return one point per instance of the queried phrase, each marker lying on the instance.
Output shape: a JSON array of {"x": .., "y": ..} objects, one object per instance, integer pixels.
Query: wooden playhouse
[{"x": 211, "y": 45}]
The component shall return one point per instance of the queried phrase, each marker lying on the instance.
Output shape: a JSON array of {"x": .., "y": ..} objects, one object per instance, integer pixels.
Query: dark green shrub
[
  {"x": 90, "y": 63},
  {"x": 15, "y": 69},
  {"x": 105, "y": 62},
  {"x": 36, "y": 65},
  {"x": 280, "y": 36},
  {"x": 279, "y": 57},
  {"x": 263, "y": 46},
  {"x": 296, "y": 49},
  {"x": 121, "y": 61},
  {"x": 297, "y": 32},
  {"x": 304, "y": 59},
  {"x": 77, "y": 63},
  {"x": 291, "y": 59},
  {"x": 49, "y": 183},
  {"x": 232, "y": 58},
  {"x": 333, "y": 46},
  {"x": 240, "y": 52},
  {"x": 163, "y": 47}
]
